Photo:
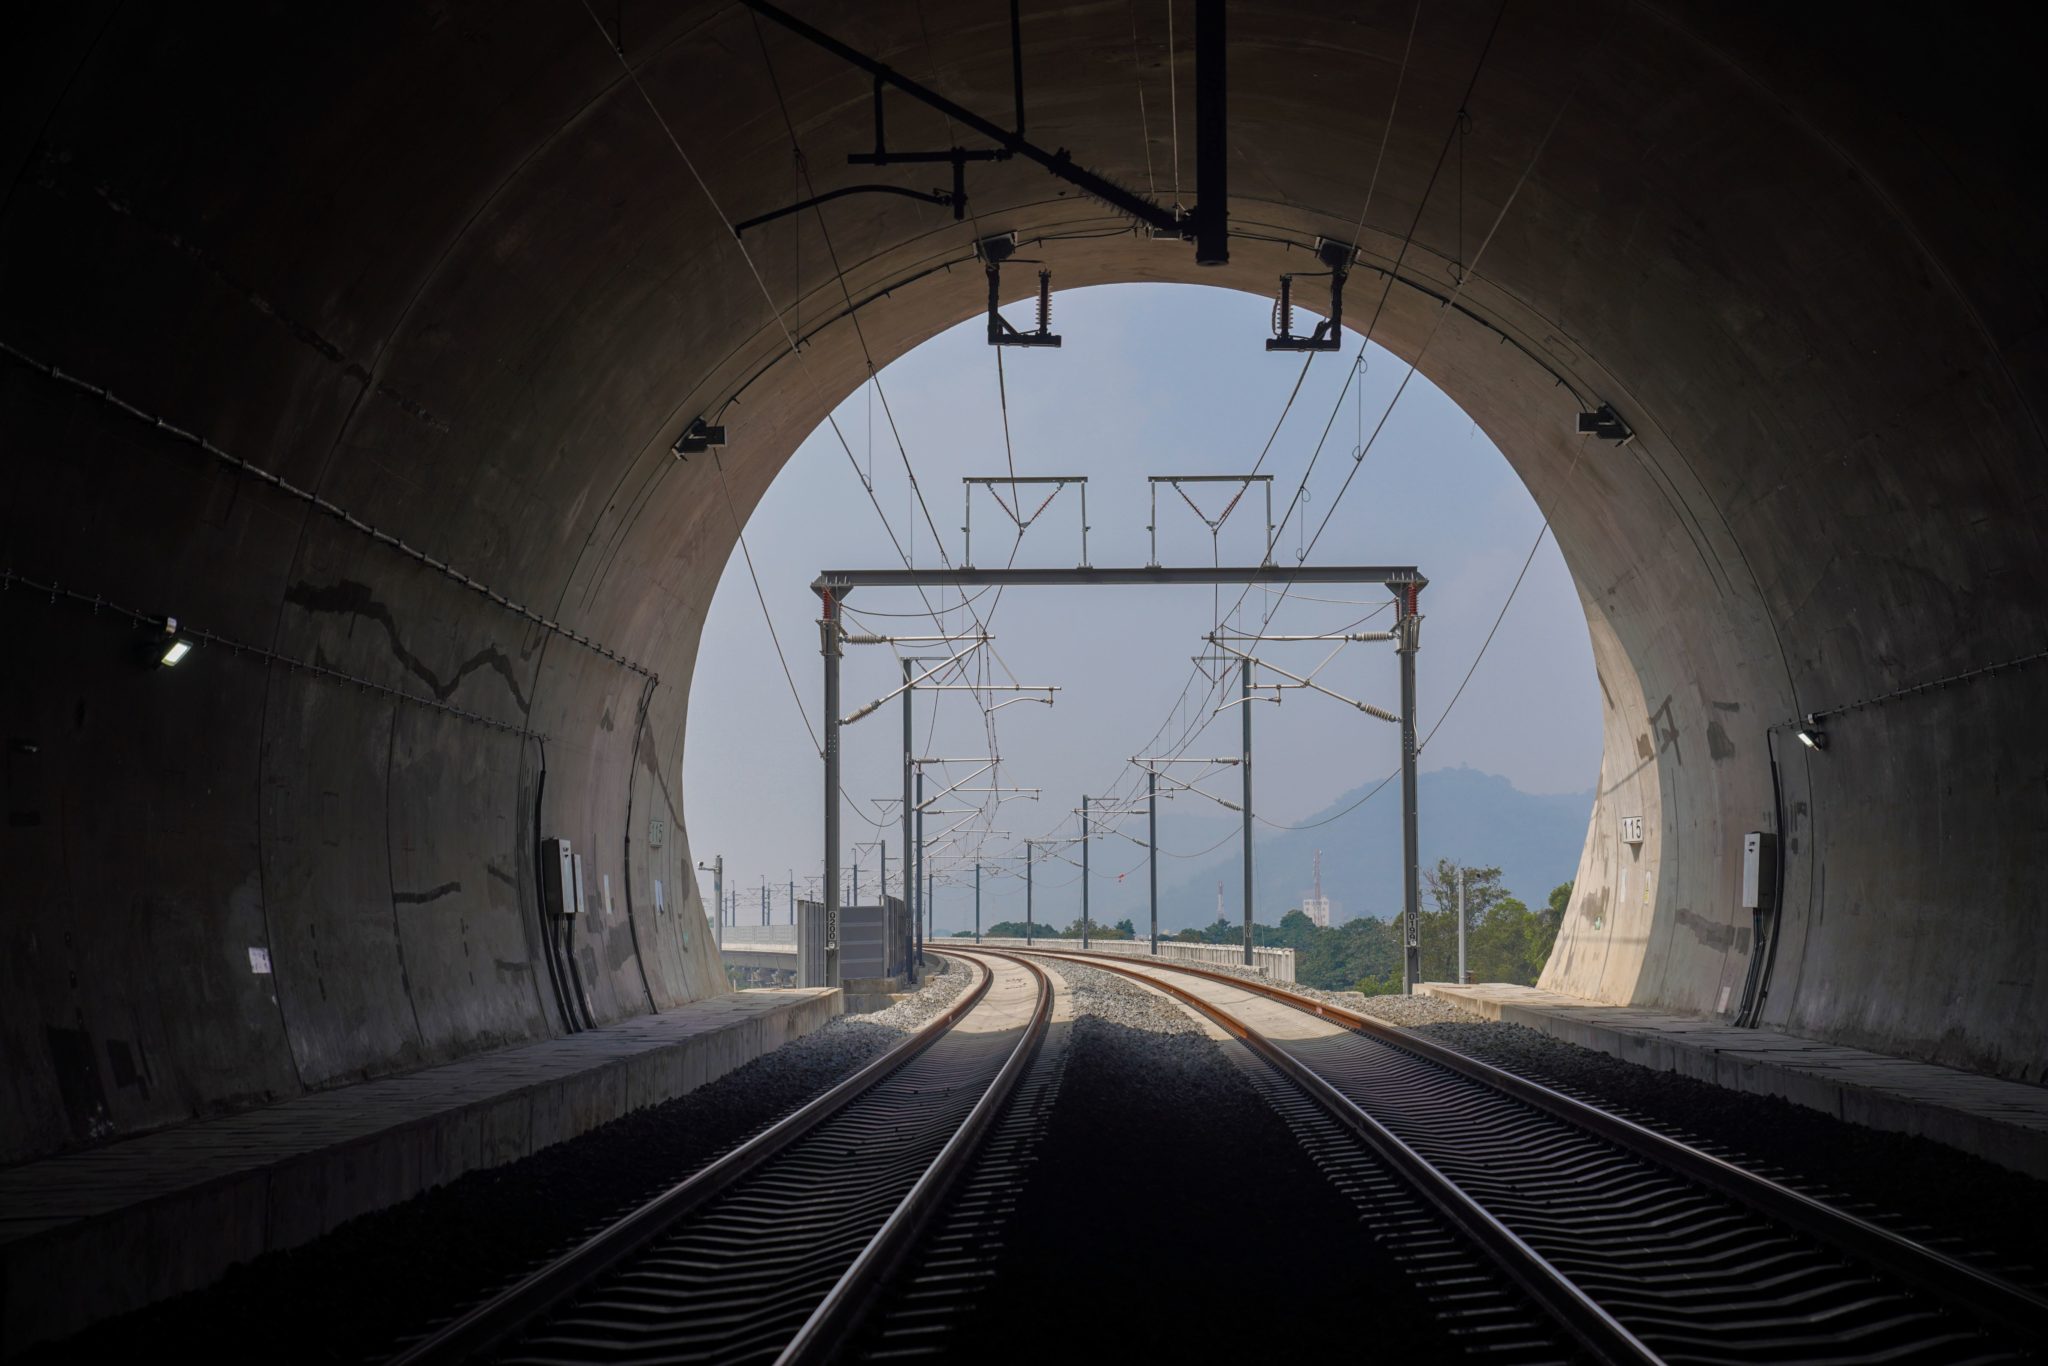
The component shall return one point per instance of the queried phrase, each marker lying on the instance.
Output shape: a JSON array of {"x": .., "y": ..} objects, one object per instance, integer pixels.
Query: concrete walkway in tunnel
[
  {"x": 2005, "y": 1122},
  {"x": 90, "y": 1234}
]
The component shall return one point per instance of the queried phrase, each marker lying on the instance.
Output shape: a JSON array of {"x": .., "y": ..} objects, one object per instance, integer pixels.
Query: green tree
[
  {"x": 1127, "y": 929},
  {"x": 1505, "y": 941},
  {"x": 1386, "y": 984},
  {"x": 1097, "y": 930},
  {"x": 1340, "y": 958},
  {"x": 1438, "y": 931}
]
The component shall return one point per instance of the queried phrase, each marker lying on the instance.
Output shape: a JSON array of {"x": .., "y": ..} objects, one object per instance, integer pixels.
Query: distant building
[{"x": 1319, "y": 909}]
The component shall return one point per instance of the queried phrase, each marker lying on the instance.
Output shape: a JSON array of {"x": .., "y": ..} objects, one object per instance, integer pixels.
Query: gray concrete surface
[
  {"x": 2002, "y": 1121},
  {"x": 447, "y": 270},
  {"x": 90, "y": 1234},
  {"x": 1274, "y": 964}
]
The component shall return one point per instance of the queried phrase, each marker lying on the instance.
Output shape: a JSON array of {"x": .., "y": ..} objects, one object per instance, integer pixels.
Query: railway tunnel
[{"x": 363, "y": 344}]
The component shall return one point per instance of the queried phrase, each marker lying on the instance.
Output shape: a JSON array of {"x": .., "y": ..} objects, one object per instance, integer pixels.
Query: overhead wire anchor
[
  {"x": 1329, "y": 333},
  {"x": 993, "y": 251}
]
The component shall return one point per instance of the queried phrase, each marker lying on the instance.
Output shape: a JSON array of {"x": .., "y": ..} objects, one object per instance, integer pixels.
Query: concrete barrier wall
[
  {"x": 1278, "y": 964},
  {"x": 767, "y": 936}
]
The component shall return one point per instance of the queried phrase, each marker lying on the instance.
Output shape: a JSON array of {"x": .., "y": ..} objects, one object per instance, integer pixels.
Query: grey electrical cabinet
[
  {"x": 1759, "y": 870},
  {"x": 558, "y": 877}
]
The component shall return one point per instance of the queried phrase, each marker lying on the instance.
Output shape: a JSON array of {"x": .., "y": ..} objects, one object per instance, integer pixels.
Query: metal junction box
[
  {"x": 558, "y": 877},
  {"x": 1759, "y": 870}
]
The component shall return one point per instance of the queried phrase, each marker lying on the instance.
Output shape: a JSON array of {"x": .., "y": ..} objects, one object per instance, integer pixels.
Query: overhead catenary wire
[
  {"x": 1436, "y": 324},
  {"x": 55, "y": 592},
  {"x": 1499, "y": 617},
  {"x": 782, "y": 324},
  {"x": 318, "y": 503},
  {"x": 1287, "y": 407},
  {"x": 874, "y": 377},
  {"x": 1219, "y": 681}
]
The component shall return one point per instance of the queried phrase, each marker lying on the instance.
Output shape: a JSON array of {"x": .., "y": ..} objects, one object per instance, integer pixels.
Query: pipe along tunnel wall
[{"x": 443, "y": 267}]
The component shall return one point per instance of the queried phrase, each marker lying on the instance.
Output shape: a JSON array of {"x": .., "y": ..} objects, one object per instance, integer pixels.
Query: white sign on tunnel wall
[{"x": 1632, "y": 829}]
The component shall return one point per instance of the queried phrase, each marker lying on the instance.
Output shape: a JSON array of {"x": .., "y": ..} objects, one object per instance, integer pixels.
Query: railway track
[
  {"x": 1640, "y": 1247},
  {"x": 774, "y": 1251}
]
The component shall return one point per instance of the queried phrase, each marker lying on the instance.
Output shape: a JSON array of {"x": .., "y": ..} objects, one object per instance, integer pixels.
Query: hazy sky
[{"x": 1153, "y": 379}]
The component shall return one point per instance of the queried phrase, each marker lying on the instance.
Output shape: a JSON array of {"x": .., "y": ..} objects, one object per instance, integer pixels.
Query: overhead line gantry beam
[{"x": 840, "y": 580}]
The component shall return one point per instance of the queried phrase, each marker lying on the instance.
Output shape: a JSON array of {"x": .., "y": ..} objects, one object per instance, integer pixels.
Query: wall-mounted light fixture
[
  {"x": 1811, "y": 735},
  {"x": 174, "y": 646}
]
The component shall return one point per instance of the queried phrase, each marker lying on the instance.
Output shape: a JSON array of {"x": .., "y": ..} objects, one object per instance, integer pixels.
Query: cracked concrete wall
[{"x": 442, "y": 266}]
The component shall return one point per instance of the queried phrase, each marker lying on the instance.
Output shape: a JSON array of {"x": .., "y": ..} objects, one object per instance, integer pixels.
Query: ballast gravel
[
  {"x": 353, "y": 1294},
  {"x": 1409, "y": 1011},
  {"x": 1166, "y": 1196},
  {"x": 1962, "y": 1203}
]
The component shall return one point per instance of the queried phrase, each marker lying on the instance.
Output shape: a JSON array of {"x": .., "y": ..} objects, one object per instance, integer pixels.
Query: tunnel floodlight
[
  {"x": 171, "y": 647},
  {"x": 1811, "y": 735}
]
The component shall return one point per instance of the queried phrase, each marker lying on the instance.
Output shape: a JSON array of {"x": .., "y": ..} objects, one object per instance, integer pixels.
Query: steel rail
[
  {"x": 824, "y": 1334},
  {"x": 492, "y": 1323},
  {"x": 1946, "y": 1278},
  {"x": 1591, "y": 1326}
]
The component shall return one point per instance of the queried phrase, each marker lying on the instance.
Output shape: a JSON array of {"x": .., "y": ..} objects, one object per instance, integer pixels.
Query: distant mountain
[{"x": 1475, "y": 818}]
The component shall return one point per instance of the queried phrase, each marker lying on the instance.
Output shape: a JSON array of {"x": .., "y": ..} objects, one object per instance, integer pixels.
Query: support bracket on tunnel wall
[
  {"x": 1329, "y": 333},
  {"x": 1059, "y": 162},
  {"x": 993, "y": 251},
  {"x": 1606, "y": 424},
  {"x": 698, "y": 437}
]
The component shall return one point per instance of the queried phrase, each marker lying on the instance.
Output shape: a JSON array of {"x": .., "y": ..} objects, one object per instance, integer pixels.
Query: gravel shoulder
[
  {"x": 1400, "y": 1010},
  {"x": 379, "y": 1278}
]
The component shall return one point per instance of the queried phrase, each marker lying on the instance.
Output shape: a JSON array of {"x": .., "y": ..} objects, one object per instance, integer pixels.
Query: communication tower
[{"x": 1315, "y": 905}]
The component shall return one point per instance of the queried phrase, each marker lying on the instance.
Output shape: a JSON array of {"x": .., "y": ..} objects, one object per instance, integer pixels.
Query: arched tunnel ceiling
[{"x": 464, "y": 273}]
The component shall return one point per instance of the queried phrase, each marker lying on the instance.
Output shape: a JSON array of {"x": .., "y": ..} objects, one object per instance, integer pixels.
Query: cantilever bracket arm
[
  {"x": 993, "y": 252},
  {"x": 1329, "y": 333},
  {"x": 1060, "y": 163},
  {"x": 938, "y": 197}
]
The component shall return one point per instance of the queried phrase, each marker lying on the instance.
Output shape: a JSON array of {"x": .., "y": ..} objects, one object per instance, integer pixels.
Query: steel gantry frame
[
  {"x": 835, "y": 638},
  {"x": 1406, "y": 582}
]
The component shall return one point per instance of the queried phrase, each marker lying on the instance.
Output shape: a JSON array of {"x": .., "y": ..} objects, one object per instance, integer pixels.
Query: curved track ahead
[
  {"x": 1642, "y": 1248},
  {"x": 772, "y": 1252}
]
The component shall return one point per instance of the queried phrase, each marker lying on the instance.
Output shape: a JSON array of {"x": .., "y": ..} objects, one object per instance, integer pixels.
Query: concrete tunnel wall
[{"x": 442, "y": 266}]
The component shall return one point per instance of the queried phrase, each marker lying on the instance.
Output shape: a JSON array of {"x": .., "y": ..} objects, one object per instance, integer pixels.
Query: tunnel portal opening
[
  {"x": 1372, "y": 463},
  {"x": 424, "y": 309}
]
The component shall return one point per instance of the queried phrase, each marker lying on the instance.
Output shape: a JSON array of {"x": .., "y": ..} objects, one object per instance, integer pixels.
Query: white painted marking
[
  {"x": 657, "y": 895},
  {"x": 1722, "y": 1009},
  {"x": 259, "y": 959},
  {"x": 606, "y": 878}
]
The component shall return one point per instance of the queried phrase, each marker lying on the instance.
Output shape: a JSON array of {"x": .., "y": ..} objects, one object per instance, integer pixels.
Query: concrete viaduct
[{"x": 402, "y": 310}]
